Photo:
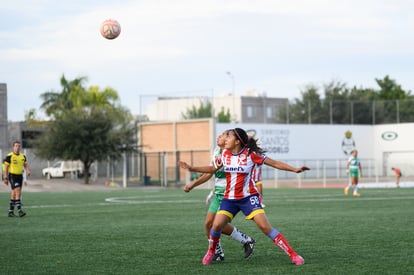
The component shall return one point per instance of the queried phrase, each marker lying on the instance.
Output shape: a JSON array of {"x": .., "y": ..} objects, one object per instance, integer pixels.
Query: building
[{"x": 252, "y": 108}]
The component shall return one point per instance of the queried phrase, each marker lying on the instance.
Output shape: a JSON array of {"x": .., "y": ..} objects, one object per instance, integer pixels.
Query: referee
[{"x": 14, "y": 163}]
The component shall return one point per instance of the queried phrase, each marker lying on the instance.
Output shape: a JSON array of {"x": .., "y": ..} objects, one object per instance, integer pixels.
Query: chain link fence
[{"x": 347, "y": 112}]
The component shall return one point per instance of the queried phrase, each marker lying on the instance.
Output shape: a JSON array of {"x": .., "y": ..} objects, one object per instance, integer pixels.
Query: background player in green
[
  {"x": 354, "y": 169},
  {"x": 14, "y": 163}
]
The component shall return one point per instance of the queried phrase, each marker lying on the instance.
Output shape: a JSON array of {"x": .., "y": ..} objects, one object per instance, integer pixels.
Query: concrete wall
[{"x": 164, "y": 143}]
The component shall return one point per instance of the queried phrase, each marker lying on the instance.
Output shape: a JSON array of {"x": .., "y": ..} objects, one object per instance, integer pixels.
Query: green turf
[{"x": 151, "y": 231}]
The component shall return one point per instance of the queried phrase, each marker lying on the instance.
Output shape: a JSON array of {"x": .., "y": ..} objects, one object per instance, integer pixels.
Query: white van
[{"x": 62, "y": 169}]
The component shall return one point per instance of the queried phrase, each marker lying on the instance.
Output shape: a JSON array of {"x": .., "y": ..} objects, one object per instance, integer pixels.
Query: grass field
[{"x": 149, "y": 231}]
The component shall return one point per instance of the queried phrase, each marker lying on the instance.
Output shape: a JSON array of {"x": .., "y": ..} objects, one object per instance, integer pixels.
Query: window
[
  {"x": 269, "y": 112},
  {"x": 250, "y": 111}
]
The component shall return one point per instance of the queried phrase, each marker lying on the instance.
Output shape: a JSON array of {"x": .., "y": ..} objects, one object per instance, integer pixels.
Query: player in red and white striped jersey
[{"x": 238, "y": 159}]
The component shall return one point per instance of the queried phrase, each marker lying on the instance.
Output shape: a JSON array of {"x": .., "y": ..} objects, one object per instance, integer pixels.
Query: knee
[
  {"x": 208, "y": 224},
  {"x": 265, "y": 227}
]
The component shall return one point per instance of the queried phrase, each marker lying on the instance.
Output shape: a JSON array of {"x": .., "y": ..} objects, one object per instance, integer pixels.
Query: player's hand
[
  {"x": 302, "y": 169},
  {"x": 184, "y": 165},
  {"x": 187, "y": 188},
  {"x": 6, "y": 181}
]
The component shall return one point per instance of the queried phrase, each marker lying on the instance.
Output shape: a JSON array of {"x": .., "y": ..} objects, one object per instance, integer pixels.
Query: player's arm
[
  {"x": 199, "y": 169},
  {"x": 199, "y": 181},
  {"x": 6, "y": 173},
  {"x": 284, "y": 166},
  {"x": 360, "y": 170},
  {"x": 27, "y": 168}
]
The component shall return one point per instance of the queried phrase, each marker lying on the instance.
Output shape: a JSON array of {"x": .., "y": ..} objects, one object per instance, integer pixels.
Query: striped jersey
[
  {"x": 238, "y": 168},
  {"x": 353, "y": 163},
  {"x": 257, "y": 173},
  {"x": 219, "y": 176}
]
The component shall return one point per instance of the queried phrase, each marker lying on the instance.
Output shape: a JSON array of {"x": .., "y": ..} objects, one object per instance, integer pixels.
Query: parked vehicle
[{"x": 63, "y": 169}]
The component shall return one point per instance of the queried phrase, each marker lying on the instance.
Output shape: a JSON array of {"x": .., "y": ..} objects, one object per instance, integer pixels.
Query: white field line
[{"x": 145, "y": 199}]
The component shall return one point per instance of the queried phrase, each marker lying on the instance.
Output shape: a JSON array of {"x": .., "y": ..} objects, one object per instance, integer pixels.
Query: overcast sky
[{"x": 185, "y": 47}]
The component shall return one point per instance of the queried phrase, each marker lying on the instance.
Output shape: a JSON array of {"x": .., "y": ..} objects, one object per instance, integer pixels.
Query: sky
[{"x": 202, "y": 47}]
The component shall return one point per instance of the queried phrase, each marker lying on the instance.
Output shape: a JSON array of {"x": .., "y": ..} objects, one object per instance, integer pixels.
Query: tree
[
  {"x": 224, "y": 116},
  {"x": 206, "y": 111},
  {"x": 89, "y": 125},
  {"x": 342, "y": 105},
  {"x": 393, "y": 101},
  {"x": 203, "y": 111},
  {"x": 55, "y": 103},
  {"x": 304, "y": 110}
]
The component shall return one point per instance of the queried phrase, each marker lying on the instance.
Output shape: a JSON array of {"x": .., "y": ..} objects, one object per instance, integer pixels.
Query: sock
[
  {"x": 12, "y": 203},
  {"x": 281, "y": 242},
  {"x": 239, "y": 236},
  {"x": 356, "y": 189},
  {"x": 18, "y": 204},
  {"x": 219, "y": 250},
  {"x": 213, "y": 240}
]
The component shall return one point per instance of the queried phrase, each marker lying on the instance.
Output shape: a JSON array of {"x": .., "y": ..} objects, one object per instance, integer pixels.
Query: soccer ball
[{"x": 110, "y": 29}]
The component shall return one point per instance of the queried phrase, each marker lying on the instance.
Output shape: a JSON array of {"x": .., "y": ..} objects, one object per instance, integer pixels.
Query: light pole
[
  {"x": 232, "y": 82},
  {"x": 233, "y": 92}
]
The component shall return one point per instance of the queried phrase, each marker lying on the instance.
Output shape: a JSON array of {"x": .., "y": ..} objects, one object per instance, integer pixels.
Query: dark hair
[{"x": 247, "y": 141}]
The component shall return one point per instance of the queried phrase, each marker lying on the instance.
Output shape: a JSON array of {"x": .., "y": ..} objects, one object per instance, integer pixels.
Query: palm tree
[{"x": 55, "y": 103}]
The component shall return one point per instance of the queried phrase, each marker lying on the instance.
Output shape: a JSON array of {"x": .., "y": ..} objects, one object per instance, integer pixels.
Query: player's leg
[
  {"x": 235, "y": 234},
  {"x": 226, "y": 213},
  {"x": 257, "y": 214},
  {"x": 277, "y": 238},
  {"x": 13, "y": 187},
  {"x": 215, "y": 233},
  {"x": 211, "y": 213},
  {"x": 346, "y": 189},
  {"x": 11, "y": 205},
  {"x": 355, "y": 183},
  {"x": 18, "y": 201}
]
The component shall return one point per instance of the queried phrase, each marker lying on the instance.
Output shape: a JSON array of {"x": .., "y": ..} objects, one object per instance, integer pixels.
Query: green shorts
[
  {"x": 215, "y": 203},
  {"x": 354, "y": 173}
]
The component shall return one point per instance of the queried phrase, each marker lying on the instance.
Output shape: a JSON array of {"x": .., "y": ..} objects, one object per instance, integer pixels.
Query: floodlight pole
[{"x": 233, "y": 91}]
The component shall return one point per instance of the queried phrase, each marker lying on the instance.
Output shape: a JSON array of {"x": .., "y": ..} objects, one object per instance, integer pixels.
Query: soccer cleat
[
  {"x": 249, "y": 248},
  {"x": 208, "y": 258},
  {"x": 346, "y": 191},
  {"x": 356, "y": 195},
  {"x": 21, "y": 213},
  {"x": 297, "y": 260},
  {"x": 218, "y": 257},
  {"x": 11, "y": 214}
]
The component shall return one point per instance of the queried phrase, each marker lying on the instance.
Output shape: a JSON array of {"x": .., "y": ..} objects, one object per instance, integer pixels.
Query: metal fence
[{"x": 348, "y": 112}]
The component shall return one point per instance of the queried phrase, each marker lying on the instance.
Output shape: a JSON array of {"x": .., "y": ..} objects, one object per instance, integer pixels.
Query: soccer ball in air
[{"x": 110, "y": 29}]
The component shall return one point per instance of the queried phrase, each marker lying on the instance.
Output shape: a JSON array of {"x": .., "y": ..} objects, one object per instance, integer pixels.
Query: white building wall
[
  {"x": 388, "y": 145},
  {"x": 172, "y": 109},
  {"x": 395, "y": 147}
]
